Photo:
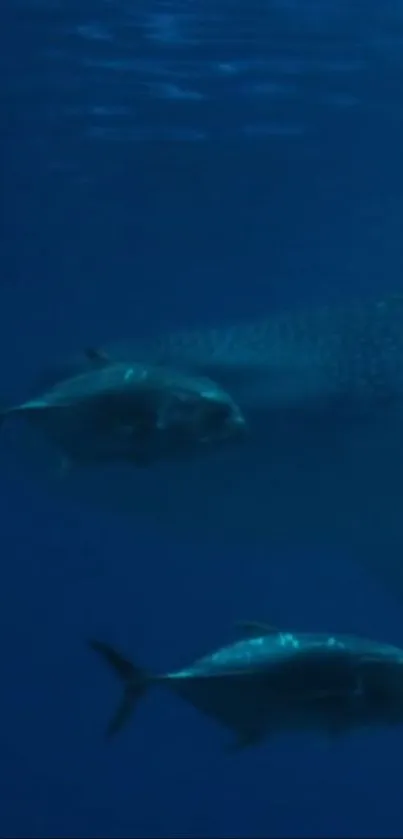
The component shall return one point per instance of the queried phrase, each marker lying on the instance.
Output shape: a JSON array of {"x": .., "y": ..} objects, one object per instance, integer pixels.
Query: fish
[
  {"x": 131, "y": 411},
  {"x": 321, "y": 391},
  {"x": 269, "y": 681}
]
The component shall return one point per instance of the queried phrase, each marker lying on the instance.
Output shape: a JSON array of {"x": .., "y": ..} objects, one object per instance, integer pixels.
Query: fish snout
[
  {"x": 201, "y": 417},
  {"x": 221, "y": 420}
]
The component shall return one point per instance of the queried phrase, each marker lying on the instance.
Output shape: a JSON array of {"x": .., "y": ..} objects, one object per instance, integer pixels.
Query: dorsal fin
[
  {"x": 255, "y": 629},
  {"x": 96, "y": 356}
]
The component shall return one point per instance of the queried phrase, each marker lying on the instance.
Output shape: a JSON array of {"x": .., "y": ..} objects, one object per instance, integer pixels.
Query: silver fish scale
[
  {"x": 242, "y": 655},
  {"x": 267, "y": 650}
]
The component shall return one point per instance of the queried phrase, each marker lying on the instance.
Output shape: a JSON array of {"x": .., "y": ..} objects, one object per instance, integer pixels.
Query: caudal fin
[{"x": 134, "y": 679}]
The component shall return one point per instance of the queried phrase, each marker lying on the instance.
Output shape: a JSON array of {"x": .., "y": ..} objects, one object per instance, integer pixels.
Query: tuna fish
[
  {"x": 132, "y": 412},
  {"x": 322, "y": 466},
  {"x": 272, "y": 681}
]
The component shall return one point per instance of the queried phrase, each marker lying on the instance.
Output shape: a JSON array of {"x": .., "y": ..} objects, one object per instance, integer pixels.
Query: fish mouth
[
  {"x": 220, "y": 422},
  {"x": 236, "y": 429}
]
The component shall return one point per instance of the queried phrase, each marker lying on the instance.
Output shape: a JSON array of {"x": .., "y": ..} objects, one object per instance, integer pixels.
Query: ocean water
[{"x": 170, "y": 164}]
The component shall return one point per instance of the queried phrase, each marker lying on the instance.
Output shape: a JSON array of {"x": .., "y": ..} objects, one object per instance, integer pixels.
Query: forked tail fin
[{"x": 135, "y": 682}]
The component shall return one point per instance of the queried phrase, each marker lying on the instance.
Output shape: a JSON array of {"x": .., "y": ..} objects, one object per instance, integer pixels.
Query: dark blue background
[{"x": 137, "y": 226}]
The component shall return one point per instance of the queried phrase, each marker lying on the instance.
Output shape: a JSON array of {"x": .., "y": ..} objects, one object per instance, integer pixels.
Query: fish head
[
  {"x": 381, "y": 678},
  {"x": 181, "y": 414},
  {"x": 201, "y": 410}
]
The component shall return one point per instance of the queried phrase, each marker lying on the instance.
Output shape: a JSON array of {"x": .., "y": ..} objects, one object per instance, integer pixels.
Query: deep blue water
[{"x": 167, "y": 164}]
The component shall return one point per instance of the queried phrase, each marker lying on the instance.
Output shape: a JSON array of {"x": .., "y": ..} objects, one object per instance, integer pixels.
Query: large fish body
[
  {"x": 132, "y": 412},
  {"x": 271, "y": 681},
  {"x": 322, "y": 395}
]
